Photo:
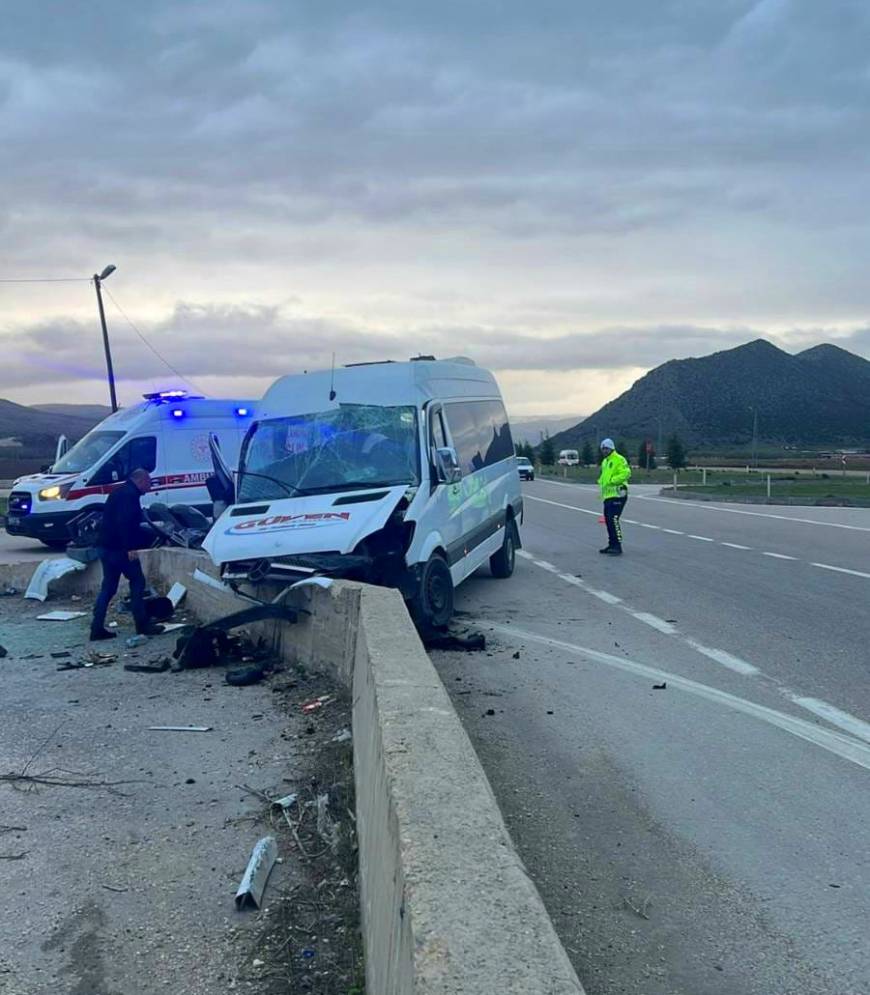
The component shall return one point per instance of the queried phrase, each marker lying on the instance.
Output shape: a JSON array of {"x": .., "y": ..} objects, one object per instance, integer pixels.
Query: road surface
[
  {"x": 710, "y": 836},
  {"x": 14, "y": 549}
]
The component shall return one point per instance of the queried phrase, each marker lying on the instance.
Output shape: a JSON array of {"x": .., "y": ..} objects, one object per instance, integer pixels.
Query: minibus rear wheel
[
  {"x": 502, "y": 563},
  {"x": 432, "y": 605}
]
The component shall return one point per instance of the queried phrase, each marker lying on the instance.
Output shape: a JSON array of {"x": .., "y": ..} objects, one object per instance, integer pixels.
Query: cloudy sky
[{"x": 569, "y": 192}]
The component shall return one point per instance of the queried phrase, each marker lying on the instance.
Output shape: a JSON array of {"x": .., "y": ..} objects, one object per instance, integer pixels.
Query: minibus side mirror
[{"x": 447, "y": 465}]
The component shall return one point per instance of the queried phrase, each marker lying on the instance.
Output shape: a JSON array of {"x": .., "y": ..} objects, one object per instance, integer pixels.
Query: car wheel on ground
[
  {"x": 432, "y": 605},
  {"x": 502, "y": 563},
  {"x": 55, "y": 543}
]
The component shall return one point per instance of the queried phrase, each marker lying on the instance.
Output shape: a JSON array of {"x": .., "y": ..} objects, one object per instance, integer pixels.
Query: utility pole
[{"x": 98, "y": 279}]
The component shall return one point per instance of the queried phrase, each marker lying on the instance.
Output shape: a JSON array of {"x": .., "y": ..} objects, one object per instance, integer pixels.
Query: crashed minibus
[{"x": 400, "y": 474}]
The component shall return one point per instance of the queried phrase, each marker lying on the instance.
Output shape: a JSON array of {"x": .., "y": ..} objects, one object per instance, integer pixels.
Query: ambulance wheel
[
  {"x": 432, "y": 605},
  {"x": 502, "y": 563},
  {"x": 55, "y": 543}
]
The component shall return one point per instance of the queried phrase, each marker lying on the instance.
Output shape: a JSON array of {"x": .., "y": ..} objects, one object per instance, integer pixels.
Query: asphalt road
[
  {"x": 708, "y": 837},
  {"x": 14, "y": 549}
]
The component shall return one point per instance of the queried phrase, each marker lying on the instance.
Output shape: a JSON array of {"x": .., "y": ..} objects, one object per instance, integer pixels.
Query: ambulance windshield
[
  {"x": 349, "y": 447},
  {"x": 84, "y": 454}
]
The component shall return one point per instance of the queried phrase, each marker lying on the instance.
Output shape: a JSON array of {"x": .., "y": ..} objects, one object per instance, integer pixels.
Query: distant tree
[
  {"x": 524, "y": 449},
  {"x": 587, "y": 456},
  {"x": 622, "y": 448},
  {"x": 646, "y": 460},
  {"x": 546, "y": 452},
  {"x": 676, "y": 454}
]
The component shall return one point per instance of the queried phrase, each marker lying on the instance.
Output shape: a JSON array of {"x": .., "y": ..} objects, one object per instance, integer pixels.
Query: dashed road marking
[
  {"x": 726, "y": 659},
  {"x": 834, "y": 742},
  {"x": 840, "y": 570},
  {"x": 655, "y": 622},
  {"x": 700, "y": 538},
  {"x": 855, "y": 726},
  {"x": 673, "y": 532},
  {"x": 605, "y": 596},
  {"x": 734, "y": 545},
  {"x": 779, "y": 556}
]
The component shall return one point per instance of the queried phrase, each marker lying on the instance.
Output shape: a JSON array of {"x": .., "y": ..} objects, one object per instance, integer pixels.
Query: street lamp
[{"x": 98, "y": 279}]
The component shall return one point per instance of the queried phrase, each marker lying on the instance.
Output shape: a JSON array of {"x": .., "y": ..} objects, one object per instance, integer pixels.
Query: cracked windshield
[{"x": 352, "y": 446}]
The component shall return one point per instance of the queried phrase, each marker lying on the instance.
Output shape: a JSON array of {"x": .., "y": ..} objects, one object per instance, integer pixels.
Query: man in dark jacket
[{"x": 120, "y": 539}]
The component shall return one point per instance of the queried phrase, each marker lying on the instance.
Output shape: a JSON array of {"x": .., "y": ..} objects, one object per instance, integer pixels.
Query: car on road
[{"x": 525, "y": 468}]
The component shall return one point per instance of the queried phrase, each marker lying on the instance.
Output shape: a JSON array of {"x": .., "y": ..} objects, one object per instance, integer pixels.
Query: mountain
[
  {"x": 37, "y": 430},
  {"x": 530, "y": 428},
  {"x": 92, "y": 412},
  {"x": 819, "y": 397}
]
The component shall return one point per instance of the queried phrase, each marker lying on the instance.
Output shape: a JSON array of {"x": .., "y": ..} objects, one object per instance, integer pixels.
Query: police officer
[
  {"x": 613, "y": 481},
  {"x": 120, "y": 539}
]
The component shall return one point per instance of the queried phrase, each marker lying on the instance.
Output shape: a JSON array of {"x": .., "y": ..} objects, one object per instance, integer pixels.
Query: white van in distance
[
  {"x": 401, "y": 474},
  {"x": 167, "y": 434},
  {"x": 569, "y": 457}
]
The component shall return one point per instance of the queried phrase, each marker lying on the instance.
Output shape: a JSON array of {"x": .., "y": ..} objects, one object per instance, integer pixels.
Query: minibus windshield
[
  {"x": 344, "y": 448},
  {"x": 86, "y": 453}
]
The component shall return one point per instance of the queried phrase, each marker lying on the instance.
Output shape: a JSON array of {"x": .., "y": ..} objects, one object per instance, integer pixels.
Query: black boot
[
  {"x": 613, "y": 551},
  {"x": 150, "y": 630},
  {"x": 99, "y": 634}
]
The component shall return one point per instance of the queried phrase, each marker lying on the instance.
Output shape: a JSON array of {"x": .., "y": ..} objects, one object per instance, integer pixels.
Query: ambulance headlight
[{"x": 54, "y": 493}]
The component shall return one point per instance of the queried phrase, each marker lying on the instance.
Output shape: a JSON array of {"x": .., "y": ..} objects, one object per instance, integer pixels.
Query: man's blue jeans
[{"x": 116, "y": 564}]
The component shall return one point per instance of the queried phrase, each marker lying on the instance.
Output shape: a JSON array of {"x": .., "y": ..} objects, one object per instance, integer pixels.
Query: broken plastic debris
[
  {"x": 324, "y": 582},
  {"x": 210, "y": 581},
  {"x": 47, "y": 572},
  {"x": 286, "y": 801},
  {"x": 253, "y": 883},
  {"x": 342, "y": 736},
  {"x": 316, "y": 703},
  {"x": 660, "y": 687},
  {"x": 176, "y": 594},
  {"x": 59, "y": 616}
]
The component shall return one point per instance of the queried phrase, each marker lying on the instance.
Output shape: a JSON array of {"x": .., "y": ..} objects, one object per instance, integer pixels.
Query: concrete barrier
[{"x": 447, "y": 905}]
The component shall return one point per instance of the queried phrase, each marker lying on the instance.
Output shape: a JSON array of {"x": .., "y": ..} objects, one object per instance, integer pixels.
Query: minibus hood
[{"x": 316, "y": 523}]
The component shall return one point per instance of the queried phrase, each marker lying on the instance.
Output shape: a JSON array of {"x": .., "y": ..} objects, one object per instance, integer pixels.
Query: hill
[
  {"x": 530, "y": 428},
  {"x": 817, "y": 398},
  {"x": 37, "y": 429},
  {"x": 93, "y": 412}
]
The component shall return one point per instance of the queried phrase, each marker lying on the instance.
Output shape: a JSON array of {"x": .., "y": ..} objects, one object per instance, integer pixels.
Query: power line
[
  {"x": 145, "y": 341},
  {"x": 52, "y": 279}
]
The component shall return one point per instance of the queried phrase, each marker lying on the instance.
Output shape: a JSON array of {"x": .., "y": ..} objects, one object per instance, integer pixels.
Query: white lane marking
[
  {"x": 674, "y": 532},
  {"x": 524, "y": 554},
  {"x": 559, "y": 504},
  {"x": 544, "y": 565},
  {"x": 646, "y": 525},
  {"x": 700, "y": 538},
  {"x": 726, "y": 659},
  {"x": 855, "y": 726},
  {"x": 779, "y": 556},
  {"x": 834, "y": 742},
  {"x": 734, "y": 545},
  {"x": 655, "y": 622},
  {"x": 605, "y": 596},
  {"x": 698, "y": 506},
  {"x": 840, "y": 570}
]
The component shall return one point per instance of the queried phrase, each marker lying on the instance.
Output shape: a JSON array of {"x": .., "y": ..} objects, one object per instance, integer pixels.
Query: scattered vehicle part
[
  {"x": 207, "y": 643},
  {"x": 59, "y": 616},
  {"x": 210, "y": 581},
  {"x": 469, "y": 643},
  {"x": 159, "y": 609},
  {"x": 153, "y": 667},
  {"x": 47, "y": 572},
  {"x": 176, "y": 594},
  {"x": 342, "y": 736},
  {"x": 317, "y": 703},
  {"x": 253, "y": 883},
  {"x": 286, "y": 802},
  {"x": 180, "y": 728},
  {"x": 660, "y": 687},
  {"x": 243, "y": 676}
]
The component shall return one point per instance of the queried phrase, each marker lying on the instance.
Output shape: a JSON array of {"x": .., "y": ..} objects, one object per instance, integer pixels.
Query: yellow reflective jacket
[{"x": 615, "y": 473}]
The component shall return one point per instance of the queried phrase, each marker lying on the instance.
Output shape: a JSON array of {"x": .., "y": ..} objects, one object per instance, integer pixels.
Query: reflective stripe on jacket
[{"x": 615, "y": 473}]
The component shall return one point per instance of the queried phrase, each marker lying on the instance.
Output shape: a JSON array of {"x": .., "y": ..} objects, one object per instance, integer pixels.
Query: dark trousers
[
  {"x": 115, "y": 565},
  {"x": 612, "y": 512}
]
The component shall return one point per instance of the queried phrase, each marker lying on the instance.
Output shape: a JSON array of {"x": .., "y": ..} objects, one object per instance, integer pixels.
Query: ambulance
[
  {"x": 397, "y": 473},
  {"x": 166, "y": 434}
]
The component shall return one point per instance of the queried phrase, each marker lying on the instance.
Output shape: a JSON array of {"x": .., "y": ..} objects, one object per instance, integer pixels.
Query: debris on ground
[
  {"x": 317, "y": 703},
  {"x": 176, "y": 594},
  {"x": 660, "y": 687},
  {"x": 3, "y": 652},
  {"x": 208, "y": 644},
  {"x": 256, "y": 876},
  {"x": 342, "y": 736},
  {"x": 158, "y": 666},
  {"x": 9, "y": 592},
  {"x": 60, "y": 616},
  {"x": 180, "y": 728},
  {"x": 49, "y": 571},
  {"x": 243, "y": 676},
  {"x": 444, "y": 640},
  {"x": 134, "y": 641}
]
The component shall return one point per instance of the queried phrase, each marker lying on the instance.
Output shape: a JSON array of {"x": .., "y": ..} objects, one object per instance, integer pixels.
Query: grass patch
[{"x": 791, "y": 487}]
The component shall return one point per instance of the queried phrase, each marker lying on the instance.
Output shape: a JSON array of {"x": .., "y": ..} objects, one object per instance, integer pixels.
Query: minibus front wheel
[{"x": 432, "y": 605}]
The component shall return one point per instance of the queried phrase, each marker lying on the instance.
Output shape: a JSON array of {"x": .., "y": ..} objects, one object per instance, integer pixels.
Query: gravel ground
[{"x": 126, "y": 882}]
